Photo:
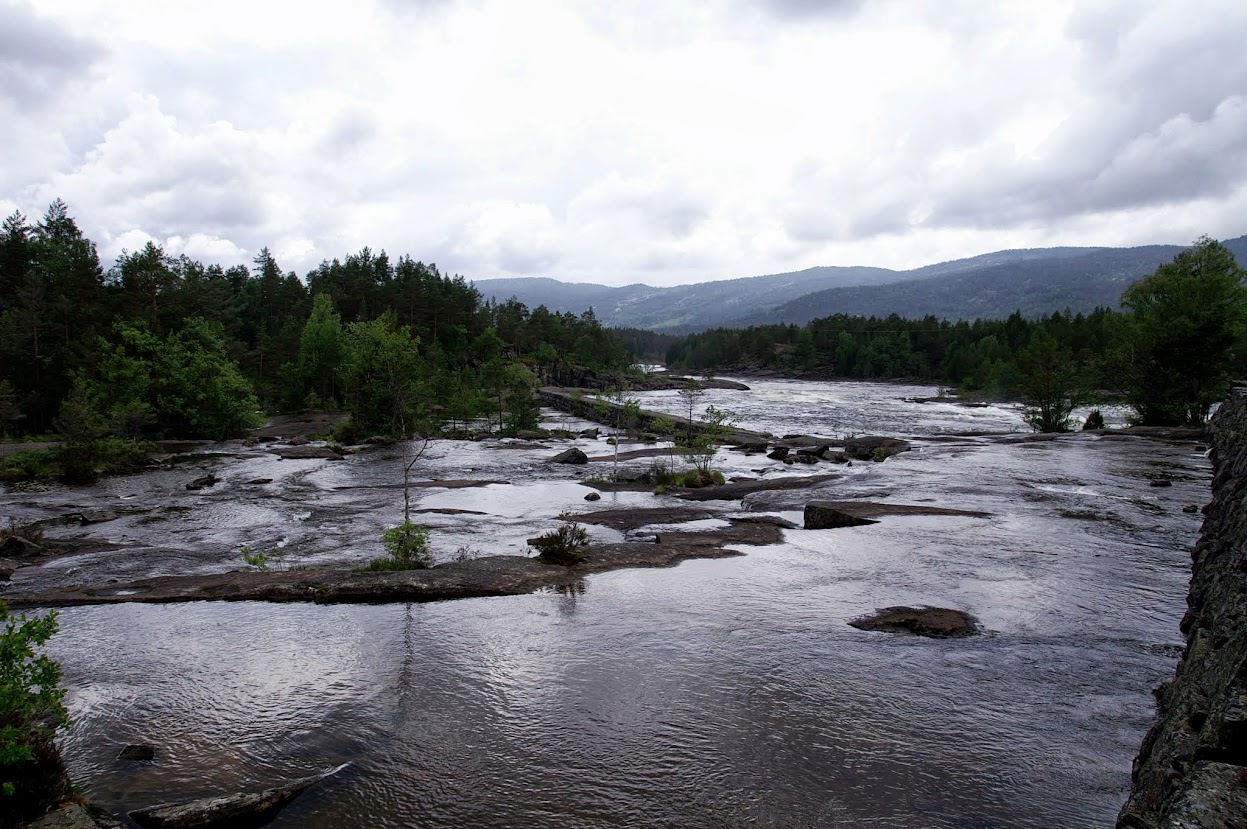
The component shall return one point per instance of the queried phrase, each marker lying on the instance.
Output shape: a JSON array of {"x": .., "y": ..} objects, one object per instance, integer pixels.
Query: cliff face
[{"x": 1192, "y": 767}]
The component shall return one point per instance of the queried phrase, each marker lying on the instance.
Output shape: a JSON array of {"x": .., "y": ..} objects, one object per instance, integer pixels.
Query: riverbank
[{"x": 1191, "y": 770}]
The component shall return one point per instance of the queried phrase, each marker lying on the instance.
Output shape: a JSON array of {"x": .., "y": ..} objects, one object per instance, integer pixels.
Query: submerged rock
[
  {"x": 250, "y": 809},
  {"x": 137, "y": 751},
  {"x": 593, "y": 496},
  {"x": 572, "y": 455},
  {"x": 939, "y": 622}
]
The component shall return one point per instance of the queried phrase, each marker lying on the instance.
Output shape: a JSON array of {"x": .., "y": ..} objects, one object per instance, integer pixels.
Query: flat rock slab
[
  {"x": 634, "y": 454},
  {"x": 239, "y": 811},
  {"x": 631, "y": 519},
  {"x": 451, "y": 484},
  {"x": 741, "y": 532},
  {"x": 875, "y": 509},
  {"x": 303, "y": 453},
  {"x": 69, "y": 816},
  {"x": 938, "y": 622},
  {"x": 825, "y": 517},
  {"x": 734, "y": 492},
  {"x": 490, "y": 576}
]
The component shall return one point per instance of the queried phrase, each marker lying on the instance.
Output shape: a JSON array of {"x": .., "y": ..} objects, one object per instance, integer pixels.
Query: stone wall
[{"x": 1192, "y": 767}]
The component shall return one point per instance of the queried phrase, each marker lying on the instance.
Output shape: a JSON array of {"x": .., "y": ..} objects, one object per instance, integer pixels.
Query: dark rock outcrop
[
  {"x": 239, "y": 811},
  {"x": 572, "y": 455},
  {"x": 778, "y": 453},
  {"x": 874, "y": 448},
  {"x": 16, "y": 546},
  {"x": 823, "y": 517},
  {"x": 1192, "y": 767},
  {"x": 202, "y": 482},
  {"x": 939, "y": 622}
]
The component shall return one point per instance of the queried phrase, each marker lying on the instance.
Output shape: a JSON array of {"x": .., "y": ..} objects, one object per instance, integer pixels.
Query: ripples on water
[{"x": 714, "y": 694}]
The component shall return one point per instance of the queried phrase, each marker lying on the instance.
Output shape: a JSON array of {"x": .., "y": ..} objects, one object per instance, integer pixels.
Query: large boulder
[
  {"x": 823, "y": 517},
  {"x": 238, "y": 811},
  {"x": 874, "y": 448},
  {"x": 778, "y": 453},
  {"x": 938, "y": 622},
  {"x": 202, "y": 482},
  {"x": 572, "y": 455}
]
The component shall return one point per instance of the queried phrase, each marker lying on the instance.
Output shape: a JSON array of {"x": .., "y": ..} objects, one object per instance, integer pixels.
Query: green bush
[
  {"x": 27, "y": 464},
  {"x": 406, "y": 547},
  {"x": 565, "y": 546},
  {"x": 31, "y": 709},
  {"x": 695, "y": 478}
]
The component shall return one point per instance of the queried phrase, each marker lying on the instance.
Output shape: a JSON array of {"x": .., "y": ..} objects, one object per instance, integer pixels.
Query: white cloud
[{"x": 619, "y": 141}]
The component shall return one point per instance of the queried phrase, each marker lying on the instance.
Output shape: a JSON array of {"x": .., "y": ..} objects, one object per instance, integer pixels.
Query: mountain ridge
[{"x": 1036, "y": 281}]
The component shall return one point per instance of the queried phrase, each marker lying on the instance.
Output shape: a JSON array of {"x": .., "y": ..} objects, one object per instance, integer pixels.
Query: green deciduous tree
[
  {"x": 31, "y": 709},
  {"x": 1176, "y": 346},
  {"x": 1051, "y": 384},
  {"x": 186, "y": 380},
  {"x": 382, "y": 374},
  {"x": 320, "y": 353}
]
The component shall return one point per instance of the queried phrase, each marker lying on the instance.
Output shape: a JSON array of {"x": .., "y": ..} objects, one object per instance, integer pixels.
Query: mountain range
[{"x": 1034, "y": 281}]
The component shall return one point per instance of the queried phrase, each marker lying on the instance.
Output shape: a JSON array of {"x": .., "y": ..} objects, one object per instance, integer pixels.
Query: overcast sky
[{"x": 621, "y": 141}]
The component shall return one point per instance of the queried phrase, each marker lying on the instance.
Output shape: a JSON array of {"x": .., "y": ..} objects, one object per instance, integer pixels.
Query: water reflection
[{"x": 716, "y": 693}]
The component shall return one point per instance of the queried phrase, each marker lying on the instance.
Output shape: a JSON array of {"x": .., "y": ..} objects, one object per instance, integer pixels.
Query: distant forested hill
[{"x": 1036, "y": 281}]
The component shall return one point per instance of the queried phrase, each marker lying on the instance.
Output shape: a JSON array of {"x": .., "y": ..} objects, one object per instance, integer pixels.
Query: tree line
[
  {"x": 1170, "y": 353},
  {"x": 167, "y": 346}
]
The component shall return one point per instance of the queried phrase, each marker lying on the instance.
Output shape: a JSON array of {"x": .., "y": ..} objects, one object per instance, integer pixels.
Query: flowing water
[{"x": 718, "y": 693}]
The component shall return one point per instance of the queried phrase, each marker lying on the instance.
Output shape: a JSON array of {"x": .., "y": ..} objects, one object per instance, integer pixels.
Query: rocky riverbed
[{"x": 727, "y": 690}]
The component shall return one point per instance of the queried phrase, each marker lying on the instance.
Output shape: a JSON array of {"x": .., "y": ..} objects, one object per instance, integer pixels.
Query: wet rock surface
[
  {"x": 1191, "y": 770},
  {"x": 825, "y": 517},
  {"x": 475, "y": 578},
  {"x": 940, "y": 622},
  {"x": 572, "y": 455},
  {"x": 239, "y": 811},
  {"x": 874, "y": 448},
  {"x": 307, "y": 453}
]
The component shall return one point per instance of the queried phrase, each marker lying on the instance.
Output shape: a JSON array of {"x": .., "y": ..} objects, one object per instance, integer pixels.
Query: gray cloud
[
  {"x": 805, "y": 9},
  {"x": 37, "y": 57}
]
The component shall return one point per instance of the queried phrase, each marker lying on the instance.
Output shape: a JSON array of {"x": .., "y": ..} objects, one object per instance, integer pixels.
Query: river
[{"x": 718, "y": 693}]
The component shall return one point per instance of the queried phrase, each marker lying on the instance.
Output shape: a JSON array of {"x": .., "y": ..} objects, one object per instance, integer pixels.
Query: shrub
[
  {"x": 31, "y": 709},
  {"x": 29, "y": 463},
  {"x": 406, "y": 547},
  {"x": 1095, "y": 420},
  {"x": 695, "y": 478},
  {"x": 565, "y": 546}
]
